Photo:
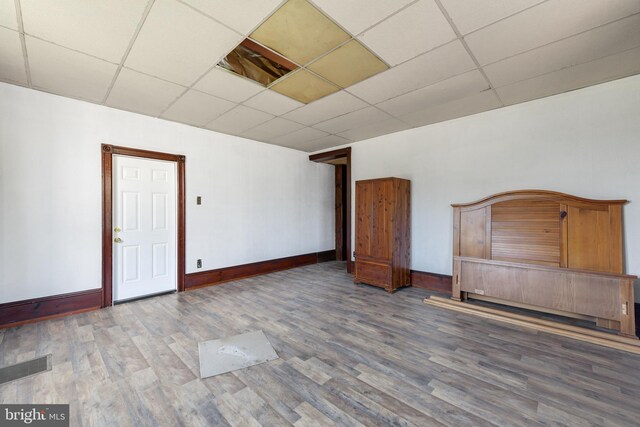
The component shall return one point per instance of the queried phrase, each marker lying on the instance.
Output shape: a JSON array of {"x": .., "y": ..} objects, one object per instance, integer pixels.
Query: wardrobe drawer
[{"x": 373, "y": 273}]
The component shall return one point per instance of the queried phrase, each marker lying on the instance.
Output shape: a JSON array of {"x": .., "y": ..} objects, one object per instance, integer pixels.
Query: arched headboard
[
  {"x": 542, "y": 227},
  {"x": 548, "y": 250}
]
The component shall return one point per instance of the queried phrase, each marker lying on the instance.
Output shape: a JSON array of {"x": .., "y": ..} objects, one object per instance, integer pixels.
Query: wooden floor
[{"x": 349, "y": 355}]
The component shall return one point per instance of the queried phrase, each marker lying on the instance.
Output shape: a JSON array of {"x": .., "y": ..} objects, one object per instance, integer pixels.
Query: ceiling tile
[
  {"x": 299, "y": 137},
  {"x": 439, "y": 93},
  {"x": 350, "y": 63},
  {"x": 323, "y": 143},
  {"x": 326, "y": 108},
  {"x": 67, "y": 72},
  {"x": 273, "y": 103},
  {"x": 439, "y": 64},
  {"x": 358, "y": 15},
  {"x": 545, "y": 23},
  {"x": 228, "y": 85},
  {"x": 353, "y": 120},
  {"x": 100, "y": 28},
  {"x": 473, "y": 104},
  {"x": 412, "y": 31},
  {"x": 468, "y": 15},
  {"x": 197, "y": 108},
  {"x": 242, "y": 16},
  {"x": 178, "y": 44},
  {"x": 144, "y": 94},
  {"x": 271, "y": 129},
  {"x": 599, "y": 71},
  {"x": 597, "y": 43},
  {"x": 8, "y": 17},
  {"x": 238, "y": 120},
  {"x": 304, "y": 86},
  {"x": 375, "y": 129},
  {"x": 300, "y": 32},
  {"x": 12, "y": 63}
]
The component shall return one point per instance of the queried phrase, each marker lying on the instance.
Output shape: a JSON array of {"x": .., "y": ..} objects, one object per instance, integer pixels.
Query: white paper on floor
[{"x": 233, "y": 353}]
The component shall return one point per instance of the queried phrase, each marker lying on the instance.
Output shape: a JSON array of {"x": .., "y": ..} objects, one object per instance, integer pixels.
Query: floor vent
[{"x": 25, "y": 369}]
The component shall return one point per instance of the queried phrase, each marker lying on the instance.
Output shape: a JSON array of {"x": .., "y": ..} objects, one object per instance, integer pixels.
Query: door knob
[
  {"x": 117, "y": 240},
  {"x": 117, "y": 229}
]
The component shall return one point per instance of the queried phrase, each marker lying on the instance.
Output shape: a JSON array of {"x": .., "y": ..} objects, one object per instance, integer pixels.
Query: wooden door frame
[
  {"x": 107, "y": 212},
  {"x": 328, "y": 157}
]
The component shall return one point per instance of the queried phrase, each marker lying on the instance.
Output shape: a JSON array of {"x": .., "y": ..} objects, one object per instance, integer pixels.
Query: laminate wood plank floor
[{"x": 349, "y": 355}]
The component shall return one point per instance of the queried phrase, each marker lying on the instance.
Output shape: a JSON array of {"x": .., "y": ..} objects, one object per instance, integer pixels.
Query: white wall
[
  {"x": 259, "y": 201},
  {"x": 585, "y": 143}
]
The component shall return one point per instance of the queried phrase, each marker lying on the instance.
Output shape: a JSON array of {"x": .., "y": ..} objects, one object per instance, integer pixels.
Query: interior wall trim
[
  {"x": 328, "y": 157},
  {"x": 17, "y": 313},
  {"x": 431, "y": 281},
  {"x": 107, "y": 212},
  {"x": 236, "y": 272}
]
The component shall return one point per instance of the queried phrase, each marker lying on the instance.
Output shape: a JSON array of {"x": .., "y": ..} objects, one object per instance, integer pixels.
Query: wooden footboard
[{"x": 605, "y": 297}]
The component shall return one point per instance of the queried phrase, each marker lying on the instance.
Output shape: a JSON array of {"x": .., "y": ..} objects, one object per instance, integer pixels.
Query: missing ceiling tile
[{"x": 257, "y": 63}]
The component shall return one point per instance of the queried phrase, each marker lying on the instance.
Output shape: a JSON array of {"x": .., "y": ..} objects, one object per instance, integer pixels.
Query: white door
[{"x": 144, "y": 221}]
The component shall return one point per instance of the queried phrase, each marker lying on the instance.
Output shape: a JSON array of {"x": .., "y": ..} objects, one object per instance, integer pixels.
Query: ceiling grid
[{"x": 438, "y": 60}]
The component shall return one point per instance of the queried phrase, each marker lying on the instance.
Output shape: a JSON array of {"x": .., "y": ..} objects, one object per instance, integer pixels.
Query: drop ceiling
[{"x": 438, "y": 59}]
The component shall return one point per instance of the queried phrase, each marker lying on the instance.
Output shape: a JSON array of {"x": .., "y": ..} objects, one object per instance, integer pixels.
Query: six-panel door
[{"x": 144, "y": 220}]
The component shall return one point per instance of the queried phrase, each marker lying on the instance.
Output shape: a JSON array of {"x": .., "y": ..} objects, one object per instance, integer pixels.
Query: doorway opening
[
  {"x": 341, "y": 160},
  {"x": 165, "y": 248}
]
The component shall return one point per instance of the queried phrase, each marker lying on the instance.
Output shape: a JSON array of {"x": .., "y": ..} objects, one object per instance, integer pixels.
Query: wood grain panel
[
  {"x": 526, "y": 231},
  {"x": 473, "y": 233},
  {"x": 616, "y": 261},
  {"x": 587, "y": 294},
  {"x": 588, "y": 239},
  {"x": 364, "y": 202},
  {"x": 373, "y": 273},
  {"x": 382, "y": 212},
  {"x": 401, "y": 224}
]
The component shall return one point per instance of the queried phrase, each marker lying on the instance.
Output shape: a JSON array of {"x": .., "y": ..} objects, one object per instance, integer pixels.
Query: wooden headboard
[{"x": 544, "y": 249}]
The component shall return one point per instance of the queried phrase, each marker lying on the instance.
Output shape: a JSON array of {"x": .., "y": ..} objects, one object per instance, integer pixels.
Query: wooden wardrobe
[{"x": 383, "y": 233}]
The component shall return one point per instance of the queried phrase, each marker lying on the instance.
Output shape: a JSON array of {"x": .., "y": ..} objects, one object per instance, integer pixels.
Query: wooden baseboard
[
  {"x": 326, "y": 256},
  {"x": 227, "y": 274},
  {"x": 26, "y": 311},
  {"x": 431, "y": 281}
]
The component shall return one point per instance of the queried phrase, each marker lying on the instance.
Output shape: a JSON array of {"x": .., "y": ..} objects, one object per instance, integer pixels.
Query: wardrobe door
[
  {"x": 364, "y": 203},
  {"x": 381, "y": 220}
]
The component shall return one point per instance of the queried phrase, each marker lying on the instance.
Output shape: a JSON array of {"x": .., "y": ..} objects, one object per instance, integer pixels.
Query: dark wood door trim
[
  {"x": 328, "y": 157},
  {"x": 107, "y": 212}
]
